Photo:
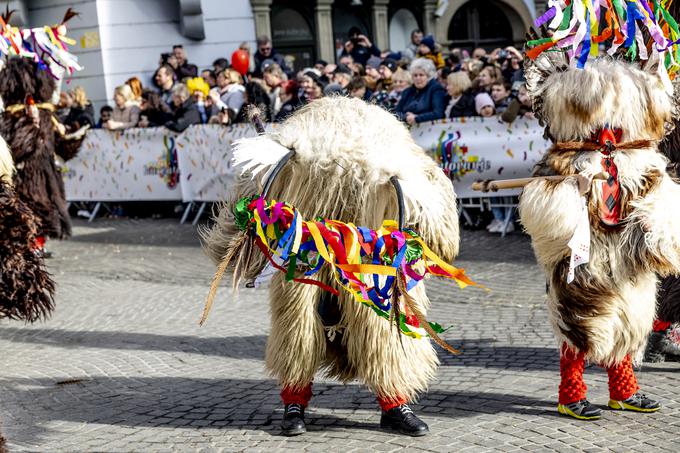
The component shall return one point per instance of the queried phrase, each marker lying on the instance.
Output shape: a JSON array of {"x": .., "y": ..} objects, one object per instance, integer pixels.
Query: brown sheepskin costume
[
  {"x": 26, "y": 289},
  {"x": 37, "y": 181}
]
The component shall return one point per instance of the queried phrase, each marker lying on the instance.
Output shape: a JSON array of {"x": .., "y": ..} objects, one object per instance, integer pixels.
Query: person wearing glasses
[{"x": 265, "y": 51}]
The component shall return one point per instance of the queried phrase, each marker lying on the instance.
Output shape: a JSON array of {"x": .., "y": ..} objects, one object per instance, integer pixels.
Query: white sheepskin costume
[{"x": 345, "y": 153}]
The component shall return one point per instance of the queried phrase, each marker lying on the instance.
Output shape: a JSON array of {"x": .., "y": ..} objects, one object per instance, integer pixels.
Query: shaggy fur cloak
[
  {"x": 38, "y": 181},
  {"x": 607, "y": 311},
  {"x": 346, "y": 152},
  {"x": 26, "y": 289}
]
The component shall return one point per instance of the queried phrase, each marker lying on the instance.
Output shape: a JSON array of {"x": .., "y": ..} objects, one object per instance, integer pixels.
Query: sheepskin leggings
[
  {"x": 622, "y": 381},
  {"x": 292, "y": 395}
]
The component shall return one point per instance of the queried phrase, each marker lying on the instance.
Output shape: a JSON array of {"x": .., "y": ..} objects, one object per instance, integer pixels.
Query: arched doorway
[
  {"x": 403, "y": 22},
  {"x": 481, "y": 23},
  {"x": 292, "y": 34}
]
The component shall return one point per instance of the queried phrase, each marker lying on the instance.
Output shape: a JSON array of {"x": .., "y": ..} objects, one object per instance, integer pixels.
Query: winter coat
[
  {"x": 287, "y": 109},
  {"x": 128, "y": 115},
  {"x": 435, "y": 58},
  {"x": 186, "y": 115},
  {"x": 465, "y": 106},
  {"x": 79, "y": 117},
  {"x": 427, "y": 103}
]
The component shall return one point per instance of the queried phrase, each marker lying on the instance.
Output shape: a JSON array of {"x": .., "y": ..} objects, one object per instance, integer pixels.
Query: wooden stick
[{"x": 492, "y": 186}]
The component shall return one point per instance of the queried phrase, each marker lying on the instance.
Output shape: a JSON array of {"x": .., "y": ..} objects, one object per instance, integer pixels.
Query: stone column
[
  {"x": 429, "y": 21},
  {"x": 381, "y": 33},
  {"x": 262, "y": 14},
  {"x": 324, "y": 30}
]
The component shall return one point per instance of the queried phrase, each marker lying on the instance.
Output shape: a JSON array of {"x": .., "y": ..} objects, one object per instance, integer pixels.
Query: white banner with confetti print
[
  {"x": 470, "y": 149},
  {"x": 135, "y": 164},
  {"x": 204, "y": 159},
  {"x": 156, "y": 164}
]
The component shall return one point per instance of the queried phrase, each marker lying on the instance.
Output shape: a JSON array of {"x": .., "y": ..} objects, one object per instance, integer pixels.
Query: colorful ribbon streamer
[
  {"x": 364, "y": 262},
  {"x": 43, "y": 45},
  {"x": 580, "y": 26}
]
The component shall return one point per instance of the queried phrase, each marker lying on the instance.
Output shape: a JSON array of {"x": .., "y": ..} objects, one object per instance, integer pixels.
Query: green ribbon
[
  {"x": 242, "y": 214},
  {"x": 413, "y": 251}
]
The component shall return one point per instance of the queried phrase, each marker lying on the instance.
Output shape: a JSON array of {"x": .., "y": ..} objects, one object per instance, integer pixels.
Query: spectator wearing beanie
[
  {"x": 387, "y": 68},
  {"x": 424, "y": 100},
  {"x": 372, "y": 76},
  {"x": 484, "y": 105},
  {"x": 428, "y": 49}
]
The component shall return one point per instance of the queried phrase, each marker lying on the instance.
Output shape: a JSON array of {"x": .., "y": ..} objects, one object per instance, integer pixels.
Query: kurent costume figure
[
  {"x": 345, "y": 154},
  {"x": 36, "y": 58},
  {"x": 30, "y": 128},
  {"x": 26, "y": 289},
  {"x": 602, "y": 242},
  {"x": 662, "y": 345}
]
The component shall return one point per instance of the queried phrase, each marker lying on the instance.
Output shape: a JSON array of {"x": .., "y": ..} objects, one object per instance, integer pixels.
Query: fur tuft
[{"x": 26, "y": 289}]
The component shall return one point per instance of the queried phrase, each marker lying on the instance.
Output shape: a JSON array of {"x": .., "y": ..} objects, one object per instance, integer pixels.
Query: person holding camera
[{"x": 359, "y": 47}]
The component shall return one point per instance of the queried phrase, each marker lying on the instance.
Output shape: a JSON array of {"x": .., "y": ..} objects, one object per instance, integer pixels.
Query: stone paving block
[{"x": 153, "y": 380}]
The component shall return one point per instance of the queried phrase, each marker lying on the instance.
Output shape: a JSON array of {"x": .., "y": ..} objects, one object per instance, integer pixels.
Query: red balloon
[{"x": 240, "y": 61}]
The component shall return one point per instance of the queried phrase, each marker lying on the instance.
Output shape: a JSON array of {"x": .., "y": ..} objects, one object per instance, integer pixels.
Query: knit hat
[
  {"x": 390, "y": 64},
  {"x": 429, "y": 42},
  {"x": 373, "y": 62},
  {"x": 342, "y": 69},
  {"x": 315, "y": 78},
  {"x": 483, "y": 100}
]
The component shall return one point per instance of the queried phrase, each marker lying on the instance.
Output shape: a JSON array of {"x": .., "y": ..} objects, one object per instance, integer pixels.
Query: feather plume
[{"x": 70, "y": 14}]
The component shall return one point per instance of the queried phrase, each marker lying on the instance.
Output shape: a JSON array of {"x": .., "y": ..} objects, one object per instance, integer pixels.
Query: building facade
[
  {"x": 316, "y": 29},
  {"x": 119, "y": 39}
]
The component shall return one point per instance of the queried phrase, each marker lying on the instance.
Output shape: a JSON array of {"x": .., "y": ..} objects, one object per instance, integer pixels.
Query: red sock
[
  {"x": 297, "y": 395},
  {"x": 390, "y": 402},
  {"x": 660, "y": 326},
  {"x": 572, "y": 386},
  {"x": 622, "y": 381}
]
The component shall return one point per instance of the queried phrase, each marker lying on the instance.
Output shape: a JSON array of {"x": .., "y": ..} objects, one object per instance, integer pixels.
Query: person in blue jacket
[{"x": 425, "y": 99}]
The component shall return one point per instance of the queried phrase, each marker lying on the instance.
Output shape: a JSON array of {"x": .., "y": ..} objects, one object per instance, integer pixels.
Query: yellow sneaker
[
  {"x": 581, "y": 410},
  {"x": 638, "y": 403}
]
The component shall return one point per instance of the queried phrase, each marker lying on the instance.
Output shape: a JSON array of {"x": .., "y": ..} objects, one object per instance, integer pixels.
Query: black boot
[
  {"x": 293, "y": 420},
  {"x": 402, "y": 419}
]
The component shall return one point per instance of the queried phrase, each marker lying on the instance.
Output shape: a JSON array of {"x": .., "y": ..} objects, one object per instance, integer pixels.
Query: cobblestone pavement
[{"x": 124, "y": 366}]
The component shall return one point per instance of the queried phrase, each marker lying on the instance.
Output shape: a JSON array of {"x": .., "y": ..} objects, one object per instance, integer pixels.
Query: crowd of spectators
[{"x": 423, "y": 82}]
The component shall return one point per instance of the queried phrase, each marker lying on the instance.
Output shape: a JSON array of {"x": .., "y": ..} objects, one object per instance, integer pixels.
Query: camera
[{"x": 503, "y": 55}]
